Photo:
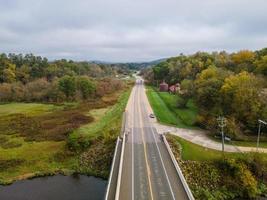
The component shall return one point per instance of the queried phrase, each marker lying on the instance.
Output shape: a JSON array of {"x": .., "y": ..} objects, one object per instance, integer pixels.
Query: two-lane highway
[{"x": 147, "y": 169}]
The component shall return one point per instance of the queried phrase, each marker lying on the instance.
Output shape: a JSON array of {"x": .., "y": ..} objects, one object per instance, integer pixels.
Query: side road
[{"x": 201, "y": 138}]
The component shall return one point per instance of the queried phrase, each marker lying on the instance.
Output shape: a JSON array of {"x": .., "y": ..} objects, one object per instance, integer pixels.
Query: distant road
[{"x": 147, "y": 169}]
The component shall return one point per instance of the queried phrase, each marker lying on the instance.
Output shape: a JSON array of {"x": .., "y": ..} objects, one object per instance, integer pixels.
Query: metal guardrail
[
  {"x": 120, "y": 169},
  {"x": 120, "y": 139},
  {"x": 112, "y": 169},
  {"x": 178, "y": 169}
]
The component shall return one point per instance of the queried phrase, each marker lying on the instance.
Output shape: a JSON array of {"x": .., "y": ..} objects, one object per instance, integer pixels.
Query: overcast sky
[{"x": 130, "y": 30}]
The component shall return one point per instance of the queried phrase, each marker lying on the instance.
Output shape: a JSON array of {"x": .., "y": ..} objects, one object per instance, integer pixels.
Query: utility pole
[
  {"x": 222, "y": 123},
  {"x": 259, "y": 132}
]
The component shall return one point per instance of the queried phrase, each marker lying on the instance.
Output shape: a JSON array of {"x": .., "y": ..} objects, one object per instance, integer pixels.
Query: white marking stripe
[{"x": 133, "y": 158}]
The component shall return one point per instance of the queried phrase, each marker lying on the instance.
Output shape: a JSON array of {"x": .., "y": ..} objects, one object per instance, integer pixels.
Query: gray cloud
[{"x": 130, "y": 30}]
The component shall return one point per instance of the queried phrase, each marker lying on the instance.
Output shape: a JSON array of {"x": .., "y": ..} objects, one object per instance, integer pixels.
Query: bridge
[{"x": 144, "y": 166}]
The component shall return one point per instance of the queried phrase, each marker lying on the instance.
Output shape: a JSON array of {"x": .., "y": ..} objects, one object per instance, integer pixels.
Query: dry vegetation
[
  {"x": 211, "y": 175},
  {"x": 33, "y": 143}
]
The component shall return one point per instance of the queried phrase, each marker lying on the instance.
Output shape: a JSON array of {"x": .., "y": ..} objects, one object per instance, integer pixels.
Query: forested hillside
[
  {"x": 233, "y": 85},
  {"x": 33, "y": 78}
]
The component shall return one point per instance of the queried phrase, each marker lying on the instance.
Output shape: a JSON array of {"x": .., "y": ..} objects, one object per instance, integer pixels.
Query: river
[{"x": 59, "y": 187}]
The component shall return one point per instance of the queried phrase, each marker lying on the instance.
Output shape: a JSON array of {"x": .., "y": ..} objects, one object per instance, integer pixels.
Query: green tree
[
  {"x": 208, "y": 85},
  {"x": 161, "y": 71},
  {"x": 86, "y": 86},
  {"x": 67, "y": 85}
]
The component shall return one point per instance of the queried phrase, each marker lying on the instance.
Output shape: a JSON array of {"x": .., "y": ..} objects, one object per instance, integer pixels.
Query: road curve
[{"x": 147, "y": 169}]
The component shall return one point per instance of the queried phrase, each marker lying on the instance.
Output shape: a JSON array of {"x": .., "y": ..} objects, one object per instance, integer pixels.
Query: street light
[{"x": 259, "y": 132}]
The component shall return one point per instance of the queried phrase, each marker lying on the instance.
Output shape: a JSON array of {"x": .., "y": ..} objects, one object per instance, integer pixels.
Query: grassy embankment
[
  {"x": 166, "y": 111},
  {"x": 101, "y": 137},
  {"x": 33, "y": 137},
  {"x": 213, "y": 175}
]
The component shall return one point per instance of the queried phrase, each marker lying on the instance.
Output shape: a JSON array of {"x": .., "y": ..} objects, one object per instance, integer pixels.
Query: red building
[{"x": 163, "y": 87}]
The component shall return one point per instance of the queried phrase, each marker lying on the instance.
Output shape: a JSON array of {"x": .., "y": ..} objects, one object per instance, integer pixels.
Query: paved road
[
  {"x": 201, "y": 138},
  {"x": 148, "y": 171}
]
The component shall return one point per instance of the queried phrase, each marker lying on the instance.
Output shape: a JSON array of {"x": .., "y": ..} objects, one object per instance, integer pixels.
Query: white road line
[
  {"x": 133, "y": 154},
  {"x": 162, "y": 162}
]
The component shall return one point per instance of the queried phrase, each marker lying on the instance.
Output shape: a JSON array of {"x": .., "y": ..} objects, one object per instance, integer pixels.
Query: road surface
[
  {"x": 147, "y": 169},
  {"x": 201, "y": 138}
]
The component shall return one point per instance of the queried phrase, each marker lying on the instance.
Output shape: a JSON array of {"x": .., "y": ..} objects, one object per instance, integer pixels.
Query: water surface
[{"x": 59, "y": 187}]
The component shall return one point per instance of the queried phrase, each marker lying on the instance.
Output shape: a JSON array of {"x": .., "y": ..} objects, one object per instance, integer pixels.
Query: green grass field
[
  {"x": 30, "y": 109},
  {"x": 166, "y": 111},
  {"x": 19, "y": 158}
]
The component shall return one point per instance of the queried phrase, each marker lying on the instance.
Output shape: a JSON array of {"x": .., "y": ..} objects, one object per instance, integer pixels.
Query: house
[
  {"x": 175, "y": 88},
  {"x": 163, "y": 87}
]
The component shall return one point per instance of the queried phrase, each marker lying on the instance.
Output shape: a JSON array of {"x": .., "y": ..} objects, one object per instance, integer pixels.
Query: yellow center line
[{"x": 144, "y": 145}]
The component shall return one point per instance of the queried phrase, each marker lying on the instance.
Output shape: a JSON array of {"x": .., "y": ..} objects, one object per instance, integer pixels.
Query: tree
[
  {"x": 9, "y": 74},
  {"x": 187, "y": 87},
  {"x": 208, "y": 85},
  {"x": 244, "y": 60},
  {"x": 67, "y": 86},
  {"x": 161, "y": 71},
  {"x": 23, "y": 74},
  {"x": 241, "y": 97},
  {"x": 261, "y": 66},
  {"x": 86, "y": 86}
]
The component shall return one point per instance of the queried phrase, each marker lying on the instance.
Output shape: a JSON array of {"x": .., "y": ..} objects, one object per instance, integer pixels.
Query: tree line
[
  {"x": 34, "y": 78},
  {"x": 230, "y": 84}
]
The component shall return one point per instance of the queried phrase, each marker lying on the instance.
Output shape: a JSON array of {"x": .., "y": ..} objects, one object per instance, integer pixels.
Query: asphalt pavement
[{"x": 147, "y": 170}]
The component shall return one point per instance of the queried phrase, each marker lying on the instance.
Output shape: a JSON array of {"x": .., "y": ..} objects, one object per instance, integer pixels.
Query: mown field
[
  {"x": 165, "y": 108},
  {"x": 213, "y": 175},
  {"x": 37, "y": 139}
]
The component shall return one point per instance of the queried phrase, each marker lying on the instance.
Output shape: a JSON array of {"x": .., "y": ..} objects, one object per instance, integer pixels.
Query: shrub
[{"x": 238, "y": 178}]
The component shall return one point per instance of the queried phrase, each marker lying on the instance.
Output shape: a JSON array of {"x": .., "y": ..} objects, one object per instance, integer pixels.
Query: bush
[
  {"x": 233, "y": 128},
  {"x": 238, "y": 178}
]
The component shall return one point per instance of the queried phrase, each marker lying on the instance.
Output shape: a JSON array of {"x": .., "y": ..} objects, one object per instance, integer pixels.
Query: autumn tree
[
  {"x": 261, "y": 66},
  {"x": 208, "y": 84},
  {"x": 241, "y": 97},
  {"x": 244, "y": 60}
]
